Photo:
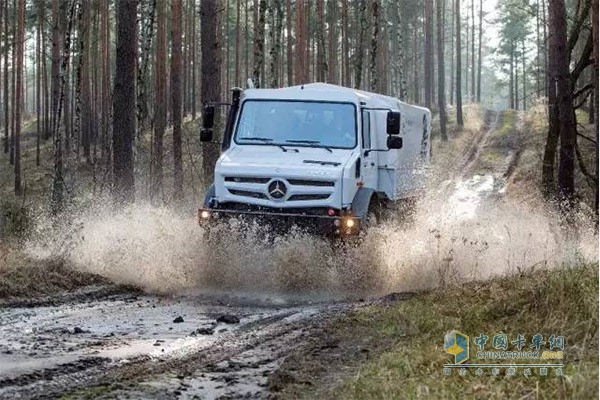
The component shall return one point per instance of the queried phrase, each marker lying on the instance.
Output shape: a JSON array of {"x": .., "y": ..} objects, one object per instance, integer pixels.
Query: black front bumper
[{"x": 338, "y": 225}]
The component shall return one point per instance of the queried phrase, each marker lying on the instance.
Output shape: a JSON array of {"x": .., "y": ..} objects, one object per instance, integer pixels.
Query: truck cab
[{"x": 316, "y": 155}]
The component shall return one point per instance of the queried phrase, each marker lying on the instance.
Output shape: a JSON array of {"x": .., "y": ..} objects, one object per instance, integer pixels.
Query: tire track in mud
[
  {"x": 235, "y": 359},
  {"x": 492, "y": 119},
  {"x": 465, "y": 161}
]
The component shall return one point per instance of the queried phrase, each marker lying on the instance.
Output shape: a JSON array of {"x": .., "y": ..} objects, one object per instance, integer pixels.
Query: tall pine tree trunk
[
  {"x": 459, "y": 110},
  {"x": 452, "y": 52},
  {"x": 275, "y": 35},
  {"x": 6, "y": 88},
  {"x": 176, "y": 97},
  {"x": 374, "y": 47},
  {"x": 210, "y": 75},
  {"x": 321, "y": 60},
  {"x": 58, "y": 185},
  {"x": 559, "y": 52},
  {"x": 399, "y": 62},
  {"x": 160, "y": 100},
  {"x": 86, "y": 95},
  {"x": 38, "y": 79},
  {"x": 473, "y": 87},
  {"x": 13, "y": 83},
  {"x": 19, "y": 95},
  {"x": 360, "y": 49},
  {"x": 105, "y": 107},
  {"x": 332, "y": 67},
  {"x": 237, "y": 41},
  {"x": 301, "y": 75},
  {"x": 524, "y": 74},
  {"x": 596, "y": 78},
  {"x": 346, "y": 76},
  {"x": 289, "y": 49},
  {"x": 55, "y": 67},
  {"x": 124, "y": 101},
  {"x": 428, "y": 52},
  {"x": 479, "y": 51},
  {"x": 259, "y": 43},
  {"x": 194, "y": 64},
  {"x": 441, "y": 71},
  {"x": 549, "y": 157},
  {"x": 511, "y": 79}
]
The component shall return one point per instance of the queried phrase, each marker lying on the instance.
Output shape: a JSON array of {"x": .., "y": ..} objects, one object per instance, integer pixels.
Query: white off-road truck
[{"x": 321, "y": 156}]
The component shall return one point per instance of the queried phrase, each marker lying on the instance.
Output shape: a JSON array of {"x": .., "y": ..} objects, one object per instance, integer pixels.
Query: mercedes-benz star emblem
[{"x": 277, "y": 190}]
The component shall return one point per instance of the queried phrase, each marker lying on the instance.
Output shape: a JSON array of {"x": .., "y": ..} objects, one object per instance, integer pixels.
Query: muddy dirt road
[
  {"x": 109, "y": 342},
  {"x": 158, "y": 347}
]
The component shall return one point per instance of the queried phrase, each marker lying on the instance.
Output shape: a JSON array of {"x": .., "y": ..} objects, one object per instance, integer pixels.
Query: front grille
[
  {"x": 267, "y": 209},
  {"x": 259, "y": 192},
  {"x": 305, "y": 182},
  {"x": 262, "y": 179},
  {"x": 246, "y": 179},
  {"x": 305, "y": 197},
  {"x": 247, "y": 193}
]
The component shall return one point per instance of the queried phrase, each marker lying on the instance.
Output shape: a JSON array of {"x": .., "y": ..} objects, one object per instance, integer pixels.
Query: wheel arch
[
  {"x": 362, "y": 201},
  {"x": 210, "y": 194}
]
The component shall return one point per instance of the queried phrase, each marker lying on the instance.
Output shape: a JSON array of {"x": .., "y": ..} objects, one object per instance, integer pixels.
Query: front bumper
[{"x": 339, "y": 225}]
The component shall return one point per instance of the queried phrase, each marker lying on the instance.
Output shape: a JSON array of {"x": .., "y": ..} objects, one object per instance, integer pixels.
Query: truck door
[{"x": 368, "y": 162}]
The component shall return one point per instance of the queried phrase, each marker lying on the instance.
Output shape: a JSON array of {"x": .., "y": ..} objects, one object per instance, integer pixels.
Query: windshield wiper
[
  {"x": 311, "y": 143},
  {"x": 268, "y": 141},
  {"x": 259, "y": 139},
  {"x": 335, "y": 164}
]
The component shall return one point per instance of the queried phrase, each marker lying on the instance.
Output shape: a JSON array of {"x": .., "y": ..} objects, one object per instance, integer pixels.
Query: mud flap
[
  {"x": 210, "y": 194},
  {"x": 361, "y": 202}
]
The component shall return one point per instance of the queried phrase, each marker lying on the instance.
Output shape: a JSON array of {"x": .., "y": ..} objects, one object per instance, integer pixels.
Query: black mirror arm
[
  {"x": 370, "y": 150},
  {"x": 216, "y": 103}
]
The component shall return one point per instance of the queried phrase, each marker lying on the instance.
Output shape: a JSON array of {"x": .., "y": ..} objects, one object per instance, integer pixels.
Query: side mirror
[
  {"x": 208, "y": 121},
  {"x": 208, "y": 116},
  {"x": 394, "y": 142},
  {"x": 206, "y": 135},
  {"x": 393, "y": 123}
]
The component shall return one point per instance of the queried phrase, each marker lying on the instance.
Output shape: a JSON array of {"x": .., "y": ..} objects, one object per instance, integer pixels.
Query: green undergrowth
[{"x": 404, "y": 341}]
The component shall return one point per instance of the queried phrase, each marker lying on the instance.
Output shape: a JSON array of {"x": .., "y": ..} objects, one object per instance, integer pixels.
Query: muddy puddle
[{"x": 243, "y": 339}]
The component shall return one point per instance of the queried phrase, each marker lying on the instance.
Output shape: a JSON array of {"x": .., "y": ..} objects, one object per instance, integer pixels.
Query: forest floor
[{"x": 101, "y": 324}]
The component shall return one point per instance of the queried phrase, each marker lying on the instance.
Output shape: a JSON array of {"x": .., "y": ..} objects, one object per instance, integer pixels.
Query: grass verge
[
  {"x": 395, "y": 350},
  {"x": 21, "y": 276}
]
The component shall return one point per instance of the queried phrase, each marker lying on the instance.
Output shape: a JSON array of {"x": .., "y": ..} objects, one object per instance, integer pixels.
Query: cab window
[{"x": 366, "y": 129}]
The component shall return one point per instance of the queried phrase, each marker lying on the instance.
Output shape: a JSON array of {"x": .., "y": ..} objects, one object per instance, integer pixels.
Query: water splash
[
  {"x": 467, "y": 227},
  {"x": 464, "y": 233}
]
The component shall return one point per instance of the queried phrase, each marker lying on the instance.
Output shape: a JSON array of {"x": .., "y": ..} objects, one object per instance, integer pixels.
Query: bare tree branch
[
  {"x": 583, "y": 61},
  {"x": 586, "y": 138},
  {"x": 584, "y": 171},
  {"x": 580, "y": 18}
]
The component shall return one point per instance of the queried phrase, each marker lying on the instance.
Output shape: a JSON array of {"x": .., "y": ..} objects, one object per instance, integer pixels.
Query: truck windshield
[{"x": 297, "y": 123}]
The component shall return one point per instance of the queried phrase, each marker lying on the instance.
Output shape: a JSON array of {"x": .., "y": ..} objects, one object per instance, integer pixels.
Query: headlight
[
  {"x": 204, "y": 214},
  {"x": 350, "y": 223}
]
